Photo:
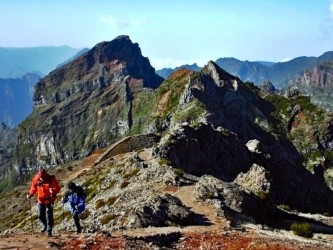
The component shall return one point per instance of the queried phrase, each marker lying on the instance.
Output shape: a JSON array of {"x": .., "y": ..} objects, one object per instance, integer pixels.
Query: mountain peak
[
  {"x": 220, "y": 76},
  {"x": 123, "y": 37},
  {"x": 118, "y": 57}
]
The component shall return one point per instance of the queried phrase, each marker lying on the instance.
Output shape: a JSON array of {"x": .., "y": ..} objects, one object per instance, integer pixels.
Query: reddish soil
[{"x": 226, "y": 240}]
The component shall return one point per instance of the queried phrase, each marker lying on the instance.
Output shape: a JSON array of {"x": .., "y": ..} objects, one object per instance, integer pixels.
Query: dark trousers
[
  {"x": 45, "y": 216},
  {"x": 77, "y": 223}
]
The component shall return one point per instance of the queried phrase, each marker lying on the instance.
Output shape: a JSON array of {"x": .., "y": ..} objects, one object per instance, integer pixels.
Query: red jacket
[{"x": 46, "y": 187}]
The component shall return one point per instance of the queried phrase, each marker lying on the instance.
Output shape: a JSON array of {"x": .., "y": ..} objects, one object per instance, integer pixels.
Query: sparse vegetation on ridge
[{"x": 301, "y": 229}]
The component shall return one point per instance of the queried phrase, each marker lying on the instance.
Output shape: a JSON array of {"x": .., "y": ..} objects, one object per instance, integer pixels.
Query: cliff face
[
  {"x": 7, "y": 140},
  {"x": 220, "y": 126},
  {"x": 318, "y": 84},
  {"x": 85, "y": 104},
  {"x": 16, "y": 98},
  {"x": 321, "y": 76}
]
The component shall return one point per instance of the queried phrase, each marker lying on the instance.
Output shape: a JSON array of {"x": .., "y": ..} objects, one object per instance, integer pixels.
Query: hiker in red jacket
[{"x": 47, "y": 188}]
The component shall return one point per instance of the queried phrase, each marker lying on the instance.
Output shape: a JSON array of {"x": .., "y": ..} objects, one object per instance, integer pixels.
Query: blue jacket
[{"x": 76, "y": 201}]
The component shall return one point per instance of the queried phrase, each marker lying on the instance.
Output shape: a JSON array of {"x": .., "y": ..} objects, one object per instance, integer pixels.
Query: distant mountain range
[
  {"x": 280, "y": 74},
  {"x": 16, "y": 62},
  {"x": 16, "y": 98},
  {"x": 166, "y": 72},
  {"x": 16, "y": 86},
  {"x": 20, "y": 69}
]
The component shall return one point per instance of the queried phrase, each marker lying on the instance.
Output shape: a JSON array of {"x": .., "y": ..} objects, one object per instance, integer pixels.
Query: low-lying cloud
[
  {"x": 115, "y": 22},
  {"x": 326, "y": 28}
]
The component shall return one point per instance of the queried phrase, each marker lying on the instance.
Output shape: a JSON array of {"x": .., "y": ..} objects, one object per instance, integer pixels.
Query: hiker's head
[
  {"x": 71, "y": 186},
  {"x": 42, "y": 172}
]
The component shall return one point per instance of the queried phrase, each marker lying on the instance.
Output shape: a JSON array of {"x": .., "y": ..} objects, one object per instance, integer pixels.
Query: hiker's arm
[
  {"x": 55, "y": 186},
  {"x": 33, "y": 187},
  {"x": 65, "y": 198},
  {"x": 81, "y": 206}
]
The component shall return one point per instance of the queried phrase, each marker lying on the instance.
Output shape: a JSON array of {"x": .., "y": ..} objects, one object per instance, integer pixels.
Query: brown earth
[{"x": 212, "y": 231}]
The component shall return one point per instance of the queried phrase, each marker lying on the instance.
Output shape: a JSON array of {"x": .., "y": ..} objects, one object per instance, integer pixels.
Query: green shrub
[
  {"x": 263, "y": 195},
  {"x": 107, "y": 218},
  {"x": 301, "y": 229},
  {"x": 285, "y": 207},
  {"x": 85, "y": 214},
  {"x": 179, "y": 172},
  {"x": 110, "y": 184},
  {"x": 111, "y": 200},
  {"x": 99, "y": 203},
  {"x": 164, "y": 161},
  {"x": 131, "y": 174},
  {"x": 124, "y": 184},
  {"x": 66, "y": 216}
]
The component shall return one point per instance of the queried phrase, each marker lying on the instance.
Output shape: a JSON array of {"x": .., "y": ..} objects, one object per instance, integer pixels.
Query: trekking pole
[
  {"x": 63, "y": 216},
  {"x": 32, "y": 225}
]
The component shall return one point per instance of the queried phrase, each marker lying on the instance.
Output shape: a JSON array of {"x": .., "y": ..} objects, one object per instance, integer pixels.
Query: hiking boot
[
  {"x": 78, "y": 231},
  {"x": 49, "y": 234},
  {"x": 43, "y": 230}
]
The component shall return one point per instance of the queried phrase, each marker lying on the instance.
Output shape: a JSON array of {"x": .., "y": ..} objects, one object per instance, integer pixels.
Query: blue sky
[{"x": 175, "y": 32}]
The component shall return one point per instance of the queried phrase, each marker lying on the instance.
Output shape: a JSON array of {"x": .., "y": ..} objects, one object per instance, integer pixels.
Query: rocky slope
[
  {"x": 99, "y": 94},
  {"x": 137, "y": 199},
  {"x": 245, "y": 151},
  {"x": 7, "y": 140},
  {"x": 316, "y": 83}
]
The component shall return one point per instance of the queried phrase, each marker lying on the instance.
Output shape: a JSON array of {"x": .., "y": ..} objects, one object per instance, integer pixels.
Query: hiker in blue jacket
[{"x": 76, "y": 198}]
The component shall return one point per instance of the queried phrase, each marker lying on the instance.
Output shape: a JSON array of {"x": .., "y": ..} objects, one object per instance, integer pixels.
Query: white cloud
[
  {"x": 160, "y": 63},
  {"x": 114, "y": 22},
  {"x": 326, "y": 28},
  {"x": 285, "y": 59}
]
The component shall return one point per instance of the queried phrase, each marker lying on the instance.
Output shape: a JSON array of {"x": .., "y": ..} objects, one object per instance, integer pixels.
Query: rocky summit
[
  {"x": 199, "y": 149},
  {"x": 87, "y": 103}
]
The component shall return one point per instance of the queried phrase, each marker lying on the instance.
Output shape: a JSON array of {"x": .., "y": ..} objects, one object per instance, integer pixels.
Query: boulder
[
  {"x": 160, "y": 210},
  {"x": 257, "y": 180},
  {"x": 239, "y": 203},
  {"x": 254, "y": 146}
]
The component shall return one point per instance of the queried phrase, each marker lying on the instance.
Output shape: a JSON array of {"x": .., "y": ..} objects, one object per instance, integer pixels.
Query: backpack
[{"x": 81, "y": 192}]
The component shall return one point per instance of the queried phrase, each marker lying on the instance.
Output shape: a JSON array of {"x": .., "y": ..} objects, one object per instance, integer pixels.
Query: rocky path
[
  {"x": 208, "y": 223},
  {"x": 207, "y": 220},
  {"x": 24, "y": 241},
  {"x": 211, "y": 222},
  {"x": 209, "y": 232},
  {"x": 79, "y": 167}
]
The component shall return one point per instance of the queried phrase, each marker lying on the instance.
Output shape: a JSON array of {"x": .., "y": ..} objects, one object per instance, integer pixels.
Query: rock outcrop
[
  {"x": 317, "y": 84},
  {"x": 231, "y": 200},
  {"x": 257, "y": 180},
  {"x": 87, "y": 103},
  {"x": 7, "y": 140},
  {"x": 321, "y": 76}
]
